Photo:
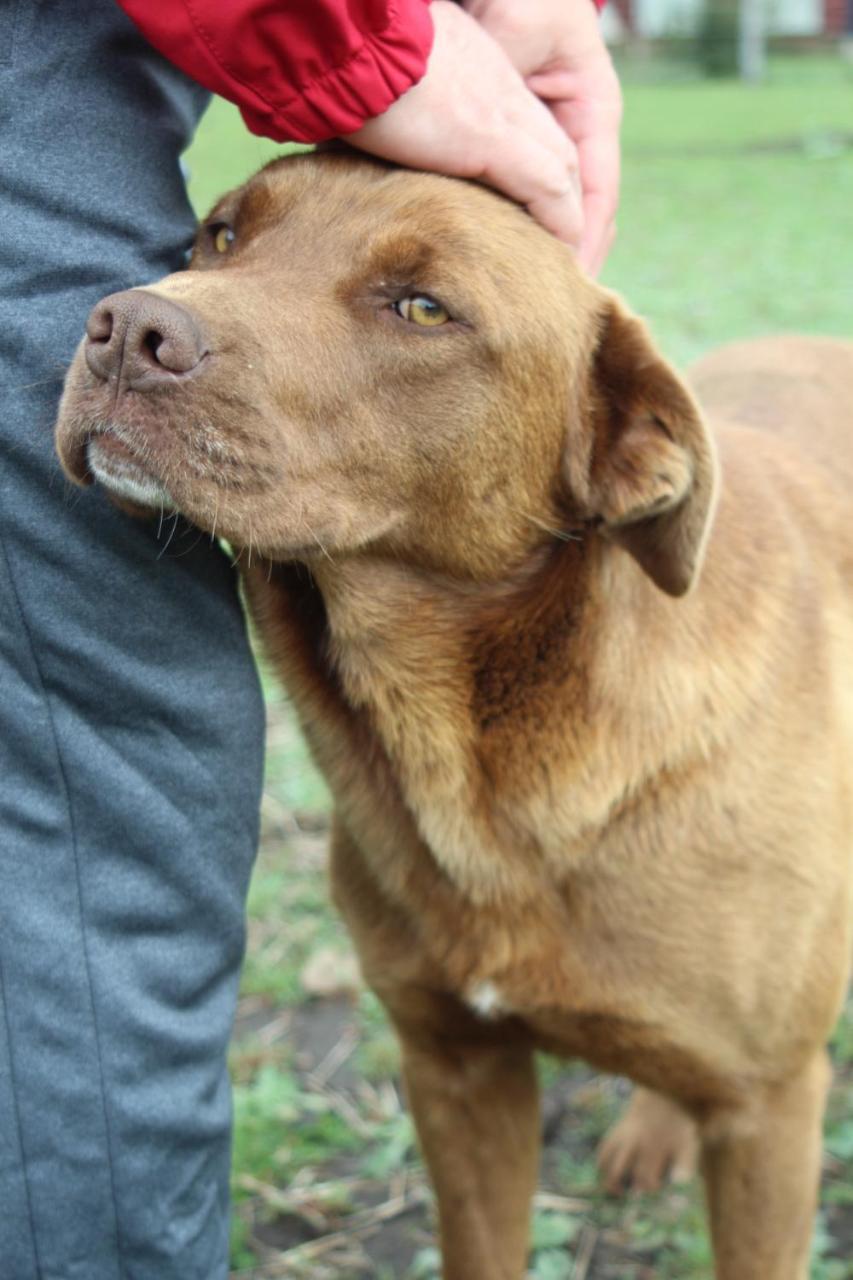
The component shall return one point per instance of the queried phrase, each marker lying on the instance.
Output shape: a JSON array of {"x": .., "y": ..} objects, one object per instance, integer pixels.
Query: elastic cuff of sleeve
[{"x": 340, "y": 101}]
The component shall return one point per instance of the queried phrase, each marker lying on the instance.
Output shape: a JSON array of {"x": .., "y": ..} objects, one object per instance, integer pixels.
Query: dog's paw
[{"x": 654, "y": 1141}]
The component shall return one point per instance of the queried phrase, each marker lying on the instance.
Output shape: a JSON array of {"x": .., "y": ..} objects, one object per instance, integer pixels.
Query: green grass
[
  {"x": 735, "y": 220},
  {"x": 735, "y": 216},
  {"x": 802, "y": 97},
  {"x": 223, "y": 154}
]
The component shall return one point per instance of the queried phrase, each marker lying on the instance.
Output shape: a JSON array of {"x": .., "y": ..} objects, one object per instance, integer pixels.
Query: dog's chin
[{"x": 125, "y": 476}]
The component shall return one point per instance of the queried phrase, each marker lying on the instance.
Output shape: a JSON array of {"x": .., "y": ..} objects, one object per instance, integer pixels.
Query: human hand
[
  {"x": 556, "y": 45},
  {"x": 472, "y": 116}
]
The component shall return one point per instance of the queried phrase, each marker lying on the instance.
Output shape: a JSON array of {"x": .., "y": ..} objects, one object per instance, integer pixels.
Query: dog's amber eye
[
  {"x": 422, "y": 310},
  {"x": 223, "y": 236}
]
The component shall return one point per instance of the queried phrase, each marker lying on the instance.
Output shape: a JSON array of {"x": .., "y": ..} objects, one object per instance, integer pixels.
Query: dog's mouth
[
  {"x": 121, "y": 469},
  {"x": 226, "y": 465}
]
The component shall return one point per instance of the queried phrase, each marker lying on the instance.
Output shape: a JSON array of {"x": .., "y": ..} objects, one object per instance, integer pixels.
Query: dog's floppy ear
[{"x": 649, "y": 477}]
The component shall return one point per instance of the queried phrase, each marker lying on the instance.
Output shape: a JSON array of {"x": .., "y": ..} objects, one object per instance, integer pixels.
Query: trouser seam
[
  {"x": 66, "y": 792},
  {"x": 17, "y": 1111}
]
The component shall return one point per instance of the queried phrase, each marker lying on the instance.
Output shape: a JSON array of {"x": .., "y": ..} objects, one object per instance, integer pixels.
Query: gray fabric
[{"x": 130, "y": 716}]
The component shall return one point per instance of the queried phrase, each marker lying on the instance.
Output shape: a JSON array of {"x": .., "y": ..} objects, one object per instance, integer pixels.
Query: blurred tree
[
  {"x": 717, "y": 38},
  {"x": 731, "y": 38}
]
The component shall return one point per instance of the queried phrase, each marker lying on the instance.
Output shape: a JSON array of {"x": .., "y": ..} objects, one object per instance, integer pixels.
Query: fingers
[
  {"x": 472, "y": 116},
  {"x": 595, "y": 128},
  {"x": 594, "y": 249},
  {"x": 558, "y": 47},
  {"x": 600, "y": 200},
  {"x": 545, "y": 182},
  {"x": 535, "y": 162}
]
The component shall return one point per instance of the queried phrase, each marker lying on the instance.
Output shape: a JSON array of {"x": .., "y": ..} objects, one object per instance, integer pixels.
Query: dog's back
[
  {"x": 798, "y": 388},
  {"x": 781, "y": 409}
]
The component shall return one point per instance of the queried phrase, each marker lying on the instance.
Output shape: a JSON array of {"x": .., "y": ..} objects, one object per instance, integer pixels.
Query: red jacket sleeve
[{"x": 299, "y": 70}]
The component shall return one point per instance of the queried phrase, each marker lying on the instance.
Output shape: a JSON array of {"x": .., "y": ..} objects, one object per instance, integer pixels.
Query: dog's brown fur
[{"x": 576, "y": 808}]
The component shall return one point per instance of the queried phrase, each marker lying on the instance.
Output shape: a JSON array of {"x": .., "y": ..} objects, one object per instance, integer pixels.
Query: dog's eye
[
  {"x": 222, "y": 236},
  {"x": 421, "y": 309}
]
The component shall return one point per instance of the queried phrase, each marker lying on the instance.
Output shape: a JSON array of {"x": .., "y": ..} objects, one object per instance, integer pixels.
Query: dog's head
[{"x": 361, "y": 357}]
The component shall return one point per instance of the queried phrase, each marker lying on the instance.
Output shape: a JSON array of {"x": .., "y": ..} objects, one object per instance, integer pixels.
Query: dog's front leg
[
  {"x": 761, "y": 1172},
  {"x": 475, "y": 1104}
]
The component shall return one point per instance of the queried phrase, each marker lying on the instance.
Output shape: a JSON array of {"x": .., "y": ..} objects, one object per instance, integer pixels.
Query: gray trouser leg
[{"x": 130, "y": 717}]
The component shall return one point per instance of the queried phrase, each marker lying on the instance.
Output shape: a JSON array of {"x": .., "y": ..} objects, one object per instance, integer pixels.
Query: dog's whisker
[
  {"x": 189, "y": 550},
  {"x": 565, "y": 535},
  {"x": 61, "y": 368},
  {"x": 171, "y": 534},
  {"x": 319, "y": 544},
  {"x": 41, "y": 382}
]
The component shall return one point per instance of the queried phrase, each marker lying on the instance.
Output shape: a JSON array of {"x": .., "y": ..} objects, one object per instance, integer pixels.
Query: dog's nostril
[
  {"x": 152, "y": 342},
  {"x": 175, "y": 349},
  {"x": 100, "y": 325}
]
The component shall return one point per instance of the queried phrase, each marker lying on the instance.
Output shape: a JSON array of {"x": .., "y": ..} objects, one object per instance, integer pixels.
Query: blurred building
[{"x": 663, "y": 19}]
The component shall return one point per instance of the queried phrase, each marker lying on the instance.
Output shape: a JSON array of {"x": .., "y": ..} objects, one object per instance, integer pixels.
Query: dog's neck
[
  {"x": 477, "y": 692},
  {"x": 512, "y": 715}
]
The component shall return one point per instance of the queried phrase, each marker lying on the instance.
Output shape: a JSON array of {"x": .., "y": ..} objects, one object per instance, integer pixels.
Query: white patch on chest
[{"x": 485, "y": 999}]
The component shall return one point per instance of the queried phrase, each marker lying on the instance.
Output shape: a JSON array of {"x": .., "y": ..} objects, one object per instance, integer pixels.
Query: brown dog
[{"x": 588, "y": 798}]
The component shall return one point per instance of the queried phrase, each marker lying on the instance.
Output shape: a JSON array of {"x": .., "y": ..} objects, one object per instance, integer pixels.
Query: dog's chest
[
  {"x": 418, "y": 713},
  {"x": 595, "y": 975},
  {"x": 481, "y": 849},
  {"x": 502, "y": 810}
]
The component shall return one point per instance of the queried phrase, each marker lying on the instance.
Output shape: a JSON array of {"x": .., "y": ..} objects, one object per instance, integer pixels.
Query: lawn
[{"x": 735, "y": 220}]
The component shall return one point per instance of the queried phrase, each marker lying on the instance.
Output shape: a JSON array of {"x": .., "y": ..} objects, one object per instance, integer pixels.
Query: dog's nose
[{"x": 145, "y": 339}]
